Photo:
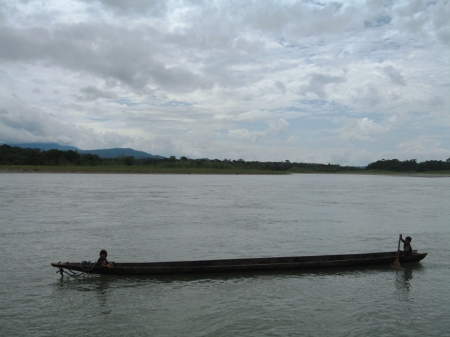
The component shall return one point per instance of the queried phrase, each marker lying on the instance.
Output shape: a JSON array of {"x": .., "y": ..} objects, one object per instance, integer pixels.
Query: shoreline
[{"x": 140, "y": 170}]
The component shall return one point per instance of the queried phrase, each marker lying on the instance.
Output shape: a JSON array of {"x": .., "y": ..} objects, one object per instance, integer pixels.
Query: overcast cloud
[{"x": 342, "y": 82}]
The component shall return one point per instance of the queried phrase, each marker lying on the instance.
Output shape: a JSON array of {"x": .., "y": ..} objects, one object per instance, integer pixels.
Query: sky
[{"x": 340, "y": 82}]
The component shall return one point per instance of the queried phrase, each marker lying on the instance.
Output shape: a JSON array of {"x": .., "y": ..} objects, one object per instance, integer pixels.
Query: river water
[{"x": 69, "y": 217}]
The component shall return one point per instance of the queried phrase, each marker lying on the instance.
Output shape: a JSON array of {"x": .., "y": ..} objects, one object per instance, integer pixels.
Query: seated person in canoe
[{"x": 102, "y": 261}]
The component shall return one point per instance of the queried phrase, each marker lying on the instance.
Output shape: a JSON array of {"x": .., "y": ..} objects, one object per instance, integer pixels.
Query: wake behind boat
[{"x": 240, "y": 265}]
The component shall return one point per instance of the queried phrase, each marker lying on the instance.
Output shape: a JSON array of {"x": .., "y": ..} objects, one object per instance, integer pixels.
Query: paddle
[{"x": 396, "y": 263}]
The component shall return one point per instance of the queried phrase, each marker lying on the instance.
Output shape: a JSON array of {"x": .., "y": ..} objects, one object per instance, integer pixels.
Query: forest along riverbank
[{"x": 165, "y": 170}]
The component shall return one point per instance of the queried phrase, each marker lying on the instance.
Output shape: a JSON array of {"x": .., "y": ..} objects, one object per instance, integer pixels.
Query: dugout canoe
[{"x": 240, "y": 265}]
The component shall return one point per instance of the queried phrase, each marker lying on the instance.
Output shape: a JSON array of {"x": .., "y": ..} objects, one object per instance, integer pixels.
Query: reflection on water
[
  {"x": 92, "y": 285},
  {"x": 403, "y": 280},
  {"x": 103, "y": 282},
  {"x": 102, "y": 293}
]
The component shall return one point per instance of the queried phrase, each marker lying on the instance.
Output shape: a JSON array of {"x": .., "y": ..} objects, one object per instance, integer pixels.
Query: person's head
[
  {"x": 103, "y": 252},
  {"x": 408, "y": 238}
]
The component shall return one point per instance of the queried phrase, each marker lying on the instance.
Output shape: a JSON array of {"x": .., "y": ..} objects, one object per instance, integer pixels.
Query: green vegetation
[
  {"x": 128, "y": 169},
  {"x": 395, "y": 165},
  {"x": 34, "y": 160}
]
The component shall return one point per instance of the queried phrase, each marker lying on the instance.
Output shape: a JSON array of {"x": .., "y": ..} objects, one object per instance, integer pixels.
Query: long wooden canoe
[{"x": 240, "y": 265}]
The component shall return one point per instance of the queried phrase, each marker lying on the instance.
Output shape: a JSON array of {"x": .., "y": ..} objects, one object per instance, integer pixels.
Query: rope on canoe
[
  {"x": 69, "y": 272},
  {"x": 86, "y": 266}
]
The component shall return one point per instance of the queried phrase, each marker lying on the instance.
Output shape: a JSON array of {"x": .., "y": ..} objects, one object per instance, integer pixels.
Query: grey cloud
[
  {"x": 149, "y": 7},
  {"x": 126, "y": 56},
  {"x": 278, "y": 126},
  {"x": 297, "y": 19},
  {"x": 133, "y": 57},
  {"x": 394, "y": 75},
  {"x": 178, "y": 78},
  {"x": 91, "y": 93},
  {"x": 280, "y": 86},
  {"x": 20, "y": 123},
  {"x": 16, "y": 45},
  {"x": 377, "y": 22},
  {"x": 318, "y": 82},
  {"x": 425, "y": 17},
  {"x": 442, "y": 23},
  {"x": 23, "y": 121}
]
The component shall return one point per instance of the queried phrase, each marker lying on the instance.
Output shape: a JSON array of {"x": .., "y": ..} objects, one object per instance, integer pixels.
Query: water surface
[{"x": 69, "y": 217}]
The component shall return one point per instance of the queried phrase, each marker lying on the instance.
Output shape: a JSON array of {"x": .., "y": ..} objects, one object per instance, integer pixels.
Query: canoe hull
[{"x": 242, "y": 265}]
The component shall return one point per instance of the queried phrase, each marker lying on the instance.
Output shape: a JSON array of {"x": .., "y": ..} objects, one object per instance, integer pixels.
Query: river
[{"x": 69, "y": 217}]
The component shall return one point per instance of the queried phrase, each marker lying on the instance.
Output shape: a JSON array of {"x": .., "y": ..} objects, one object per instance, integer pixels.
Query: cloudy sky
[{"x": 341, "y": 82}]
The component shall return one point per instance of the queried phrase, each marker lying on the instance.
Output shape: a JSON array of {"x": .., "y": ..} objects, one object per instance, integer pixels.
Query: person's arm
[{"x": 401, "y": 239}]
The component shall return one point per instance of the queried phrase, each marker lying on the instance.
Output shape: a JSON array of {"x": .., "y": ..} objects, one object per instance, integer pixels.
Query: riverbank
[
  {"x": 131, "y": 170},
  {"x": 186, "y": 170}
]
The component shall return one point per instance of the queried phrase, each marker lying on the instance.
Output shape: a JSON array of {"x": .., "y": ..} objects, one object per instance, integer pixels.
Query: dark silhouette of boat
[{"x": 240, "y": 265}]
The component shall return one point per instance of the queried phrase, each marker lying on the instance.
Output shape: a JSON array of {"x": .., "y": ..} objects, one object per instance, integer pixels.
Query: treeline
[
  {"x": 412, "y": 165},
  {"x": 12, "y": 155}
]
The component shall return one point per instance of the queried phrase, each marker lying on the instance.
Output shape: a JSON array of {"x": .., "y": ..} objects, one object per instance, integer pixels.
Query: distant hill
[
  {"x": 46, "y": 146},
  {"x": 103, "y": 153},
  {"x": 121, "y": 152}
]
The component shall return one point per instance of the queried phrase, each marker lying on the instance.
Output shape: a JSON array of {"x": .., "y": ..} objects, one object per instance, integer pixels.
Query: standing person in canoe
[
  {"x": 407, "y": 249},
  {"x": 102, "y": 261}
]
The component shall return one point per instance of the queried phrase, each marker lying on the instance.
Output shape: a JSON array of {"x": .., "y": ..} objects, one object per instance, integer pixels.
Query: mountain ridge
[{"x": 102, "y": 153}]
